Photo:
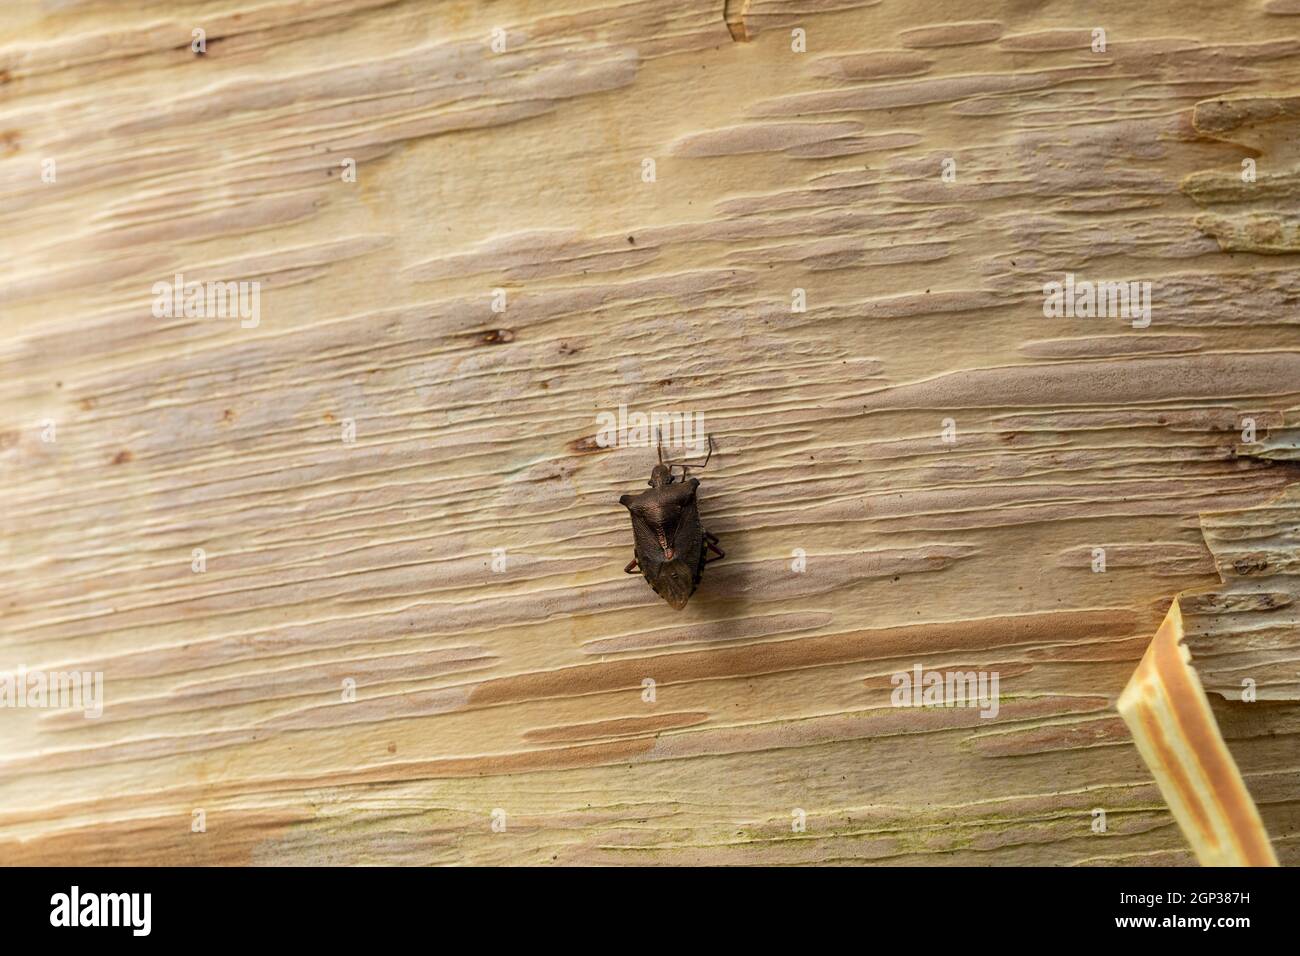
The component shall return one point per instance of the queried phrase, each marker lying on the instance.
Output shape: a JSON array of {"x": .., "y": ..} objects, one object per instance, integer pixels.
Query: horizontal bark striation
[{"x": 859, "y": 542}]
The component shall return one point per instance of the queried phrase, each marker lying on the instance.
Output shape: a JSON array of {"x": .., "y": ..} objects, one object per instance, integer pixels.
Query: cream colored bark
[{"x": 523, "y": 690}]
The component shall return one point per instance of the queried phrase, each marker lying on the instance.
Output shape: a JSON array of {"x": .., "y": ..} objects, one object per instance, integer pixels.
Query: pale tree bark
[{"x": 351, "y": 562}]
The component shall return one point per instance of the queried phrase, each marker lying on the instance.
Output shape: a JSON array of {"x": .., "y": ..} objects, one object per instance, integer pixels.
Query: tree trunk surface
[{"x": 350, "y": 558}]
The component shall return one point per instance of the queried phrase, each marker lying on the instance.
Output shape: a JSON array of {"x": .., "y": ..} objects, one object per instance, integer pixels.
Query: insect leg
[
  {"x": 711, "y": 542},
  {"x": 685, "y": 465}
]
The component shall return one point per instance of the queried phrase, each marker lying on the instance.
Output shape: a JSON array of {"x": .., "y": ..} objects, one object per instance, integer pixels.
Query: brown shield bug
[{"x": 670, "y": 545}]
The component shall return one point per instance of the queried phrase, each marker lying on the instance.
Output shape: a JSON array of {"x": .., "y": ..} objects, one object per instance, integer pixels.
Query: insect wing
[{"x": 688, "y": 542}]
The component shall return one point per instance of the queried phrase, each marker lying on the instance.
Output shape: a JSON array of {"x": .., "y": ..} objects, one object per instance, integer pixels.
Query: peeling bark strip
[
  {"x": 1242, "y": 630},
  {"x": 1165, "y": 708},
  {"x": 733, "y": 14},
  {"x": 353, "y": 574}
]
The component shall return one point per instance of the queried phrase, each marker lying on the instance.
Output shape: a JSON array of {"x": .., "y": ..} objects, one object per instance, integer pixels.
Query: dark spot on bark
[
  {"x": 122, "y": 457},
  {"x": 1249, "y": 565},
  {"x": 584, "y": 446}
]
